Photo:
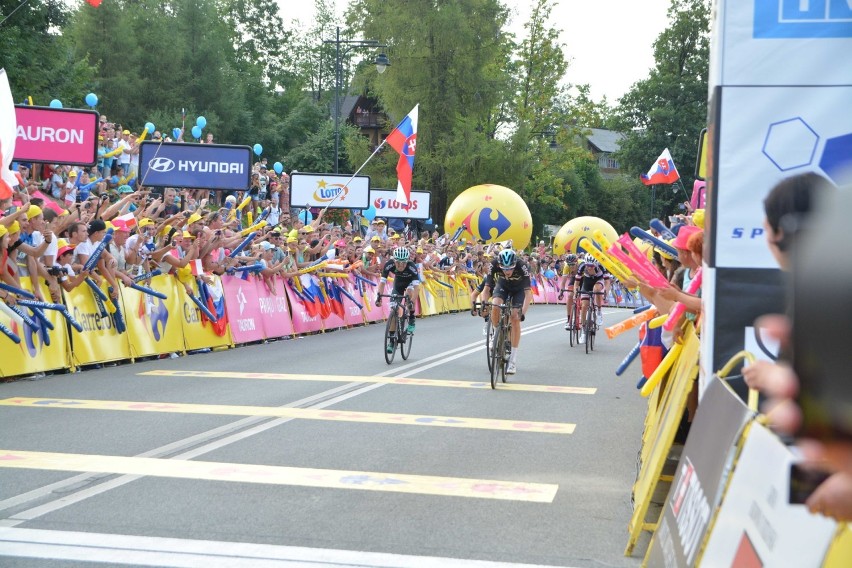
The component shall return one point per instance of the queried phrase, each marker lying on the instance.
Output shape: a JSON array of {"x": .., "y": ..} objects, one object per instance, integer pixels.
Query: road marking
[
  {"x": 297, "y": 413},
  {"x": 159, "y": 551},
  {"x": 361, "y": 379},
  {"x": 282, "y": 475}
]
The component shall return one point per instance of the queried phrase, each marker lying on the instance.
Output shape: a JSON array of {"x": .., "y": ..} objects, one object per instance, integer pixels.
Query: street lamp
[
  {"x": 550, "y": 135},
  {"x": 382, "y": 62}
]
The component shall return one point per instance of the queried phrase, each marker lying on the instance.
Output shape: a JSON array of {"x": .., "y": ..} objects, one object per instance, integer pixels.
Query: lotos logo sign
[
  {"x": 56, "y": 136},
  {"x": 329, "y": 190},
  {"x": 200, "y": 166},
  {"x": 386, "y": 204}
]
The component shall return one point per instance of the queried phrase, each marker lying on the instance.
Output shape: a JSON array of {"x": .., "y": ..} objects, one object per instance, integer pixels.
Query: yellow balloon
[
  {"x": 645, "y": 247},
  {"x": 568, "y": 237},
  {"x": 492, "y": 213}
]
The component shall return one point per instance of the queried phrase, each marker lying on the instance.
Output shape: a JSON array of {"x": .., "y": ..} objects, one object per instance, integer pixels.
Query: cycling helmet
[
  {"x": 400, "y": 254},
  {"x": 571, "y": 259},
  {"x": 589, "y": 259},
  {"x": 506, "y": 258}
]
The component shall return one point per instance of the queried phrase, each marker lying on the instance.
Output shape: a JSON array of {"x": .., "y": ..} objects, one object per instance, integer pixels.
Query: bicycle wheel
[
  {"x": 572, "y": 333},
  {"x": 507, "y": 350},
  {"x": 488, "y": 330},
  {"x": 496, "y": 366},
  {"x": 390, "y": 336},
  {"x": 587, "y": 325},
  {"x": 593, "y": 326},
  {"x": 405, "y": 338}
]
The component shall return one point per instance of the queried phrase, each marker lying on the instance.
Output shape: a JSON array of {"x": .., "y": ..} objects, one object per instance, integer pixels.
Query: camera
[{"x": 57, "y": 271}]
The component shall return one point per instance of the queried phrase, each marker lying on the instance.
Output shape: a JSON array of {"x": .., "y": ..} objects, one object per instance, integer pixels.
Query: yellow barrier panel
[
  {"x": 99, "y": 341},
  {"x": 840, "y": 553},
  {"x": 40, "y": 349},
  {"x": 153, "y": 324},
  {"x": 428, "y": 299},
  {"x": 199, "y": 333},
  {"x": 680, "y": 383}
]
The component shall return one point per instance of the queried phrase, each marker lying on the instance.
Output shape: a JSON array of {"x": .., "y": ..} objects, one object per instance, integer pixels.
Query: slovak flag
[
  {"x": 663, "y": 171},
  {"x": 403, "y": 139},
  {"x": 8, "y": 136}
]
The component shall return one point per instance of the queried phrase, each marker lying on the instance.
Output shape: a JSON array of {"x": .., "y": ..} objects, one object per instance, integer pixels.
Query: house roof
[{"x": 605, "y": 140}]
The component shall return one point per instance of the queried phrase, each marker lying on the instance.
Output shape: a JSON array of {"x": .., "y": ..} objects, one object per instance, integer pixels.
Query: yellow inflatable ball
[
  {"x": 568, "y": 237},
  {"x": 645, "y": 247},
  {"x": 492, "y": 213}
]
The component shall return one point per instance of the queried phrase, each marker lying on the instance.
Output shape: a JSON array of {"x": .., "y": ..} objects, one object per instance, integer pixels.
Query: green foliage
[{"x": 669, "y": 108}]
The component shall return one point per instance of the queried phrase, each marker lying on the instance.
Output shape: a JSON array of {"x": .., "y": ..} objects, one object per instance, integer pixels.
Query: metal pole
[{"x": 337, "y": 99}]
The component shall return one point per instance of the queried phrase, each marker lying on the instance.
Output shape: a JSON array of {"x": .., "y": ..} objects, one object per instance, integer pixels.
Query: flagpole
[
  {"x": 653, "y": 200},
  {"x": 376, "y": 151}
]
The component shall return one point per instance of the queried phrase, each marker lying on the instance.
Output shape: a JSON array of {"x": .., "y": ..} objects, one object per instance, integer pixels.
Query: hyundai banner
[
  {"x": 56, "y": 136},
  {"x": 384, "y": 200},
  {"x": 329, "y": 190},
  {"x": 197, "y": 166}
]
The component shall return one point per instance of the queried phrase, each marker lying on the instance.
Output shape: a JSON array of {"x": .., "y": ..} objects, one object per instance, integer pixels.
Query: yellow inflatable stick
[
  {"x": 142, "y": 136},
  {"x": 245, "y": 232},
  {"x": 245, "y": 202},
  {"x": 662, "y": 369},
  {"x": 605, "y": 260}
]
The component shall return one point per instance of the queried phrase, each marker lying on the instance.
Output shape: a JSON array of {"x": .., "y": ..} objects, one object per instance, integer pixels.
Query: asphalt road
[{"x": 314, "y": 451}]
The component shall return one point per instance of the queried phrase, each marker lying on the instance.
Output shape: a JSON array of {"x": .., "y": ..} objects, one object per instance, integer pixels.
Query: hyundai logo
[{"x": 161, "y": 165}]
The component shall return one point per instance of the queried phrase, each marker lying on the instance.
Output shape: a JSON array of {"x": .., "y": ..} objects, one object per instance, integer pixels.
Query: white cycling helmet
[
  {"x": 400, "y": 254},
  {"x": 589, "y": 259}
]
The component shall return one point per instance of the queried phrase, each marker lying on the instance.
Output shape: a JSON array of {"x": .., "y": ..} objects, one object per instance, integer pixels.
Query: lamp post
[
  {"x": 381, "y": 62},
  {"x": 550, "y": 135}
]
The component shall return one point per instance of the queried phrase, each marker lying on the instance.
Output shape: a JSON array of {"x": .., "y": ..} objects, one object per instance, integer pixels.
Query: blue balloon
[
  {"x": 429, "y": 221},
  {"x": 278, "y": 167},
  {"x": 306, "y": 216},
  {"x": 258, "y": 149},
  {"x": 91, "y": 100},
  {"x": 55, "y": 103},
  {"x": 196, "y": 132},
  {"x": 150, "y": 127},
  {"x": 201, "y": 122},
  {"x": 370, "y": 213},
  {"x": 175, "y": 133}
]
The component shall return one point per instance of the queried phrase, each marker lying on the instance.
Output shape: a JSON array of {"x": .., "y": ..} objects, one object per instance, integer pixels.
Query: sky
[{"x": 608, "y": 42}]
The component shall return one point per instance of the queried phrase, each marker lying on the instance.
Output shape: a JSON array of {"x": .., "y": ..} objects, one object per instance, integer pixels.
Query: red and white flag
[
  {"x": 125, "y": 222},
  {"x": 195, "y": 266},
  {"x": 8, "y": 136},
  {"x": 663, "y": 171}
]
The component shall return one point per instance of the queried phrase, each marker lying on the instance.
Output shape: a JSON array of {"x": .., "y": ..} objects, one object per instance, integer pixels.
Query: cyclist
[
  {"x": 569, "y": 273},
  {"x": 590, "y": 278},
  {"x": 406, "y": 281},
  {"x": 482, "y": 292},
  {"x": 512, "y": 284}
]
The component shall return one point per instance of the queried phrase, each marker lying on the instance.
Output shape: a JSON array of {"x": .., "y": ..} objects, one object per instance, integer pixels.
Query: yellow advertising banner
[
  {"x": 40, "y": 349},
  {"x": 198, "y": 331},
  {"x": 154, "y": 324},
  {"x": 100, "y": 340}
]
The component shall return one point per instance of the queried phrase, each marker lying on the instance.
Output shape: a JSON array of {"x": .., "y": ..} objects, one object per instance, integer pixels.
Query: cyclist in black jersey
[
  {"x": 406, "y": 280},
  {"x": 511, "y": 276},
  {"x": 590, "y": 278}
]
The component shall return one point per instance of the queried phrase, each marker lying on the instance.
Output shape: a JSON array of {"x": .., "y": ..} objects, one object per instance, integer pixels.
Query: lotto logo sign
[{"x": 802, "y": 19}]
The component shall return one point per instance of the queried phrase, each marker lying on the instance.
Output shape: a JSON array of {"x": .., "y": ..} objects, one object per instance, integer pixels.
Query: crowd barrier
[
  {"x": 173, "y": 317},
  {"x": 727, "y": 502}
]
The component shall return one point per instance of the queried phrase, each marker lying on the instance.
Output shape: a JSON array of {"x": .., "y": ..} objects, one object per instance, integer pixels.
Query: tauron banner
[
  {"x": 329, "y": 190},
  {"x": 386, "y": 205},
  {"x": 697, "y": 487},
  {"x": 56, "y": 136},
  {"x": 196, "y": 166}
]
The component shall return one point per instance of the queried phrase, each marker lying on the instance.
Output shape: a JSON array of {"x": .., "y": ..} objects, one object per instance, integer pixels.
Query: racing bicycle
[
  {"x": 590, "y": 324},
  {"x": 396, "y": 328},
  {"x": 501, "y": 349}
]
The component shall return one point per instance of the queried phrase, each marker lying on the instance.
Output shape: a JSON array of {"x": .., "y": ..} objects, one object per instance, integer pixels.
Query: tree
[
  {"x": 40, "y": 62},
  {"x": 669, "y": 108}
]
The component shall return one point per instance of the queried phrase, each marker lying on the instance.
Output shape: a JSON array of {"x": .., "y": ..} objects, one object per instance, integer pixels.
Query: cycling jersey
[
  {"x": 404, "y": 278},
  {"x": 519, "y": 279},
  {"x": 587, "y": 281}
]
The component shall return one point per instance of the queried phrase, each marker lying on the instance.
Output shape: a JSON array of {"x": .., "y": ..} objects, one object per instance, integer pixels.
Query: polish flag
[{"x": 195, "y": 266}]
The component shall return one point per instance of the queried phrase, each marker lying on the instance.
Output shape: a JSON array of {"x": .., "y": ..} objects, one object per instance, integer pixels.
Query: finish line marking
[
  {"x": 281, "y": 475},
  {"x": 360, "y": 379},
  {"x": 298, "y": 413}
]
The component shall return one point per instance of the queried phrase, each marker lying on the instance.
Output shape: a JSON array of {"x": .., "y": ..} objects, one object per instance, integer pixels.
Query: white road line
[{"x": 185, "y": 553}]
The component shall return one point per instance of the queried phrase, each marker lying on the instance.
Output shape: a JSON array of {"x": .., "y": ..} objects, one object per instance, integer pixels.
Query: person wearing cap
[
  {"x": 691, "y": 262},
  {"x": 375, "y": 230},
  {"x": 69, "y": 192},
  {"x": 126, "y": 150},
  {"x": 67, "y": 278}
]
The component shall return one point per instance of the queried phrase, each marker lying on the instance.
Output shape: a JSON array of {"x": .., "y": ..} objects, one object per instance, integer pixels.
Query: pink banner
[
  {"x": 243, "y": 307},
  {"x": 56, "y": 136},
  {"x": 277, "y": 321},
  {"x": 354, "y": 314},
  {"x": 302, "y": 321},
  {"x": 550, "y": 290}
]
